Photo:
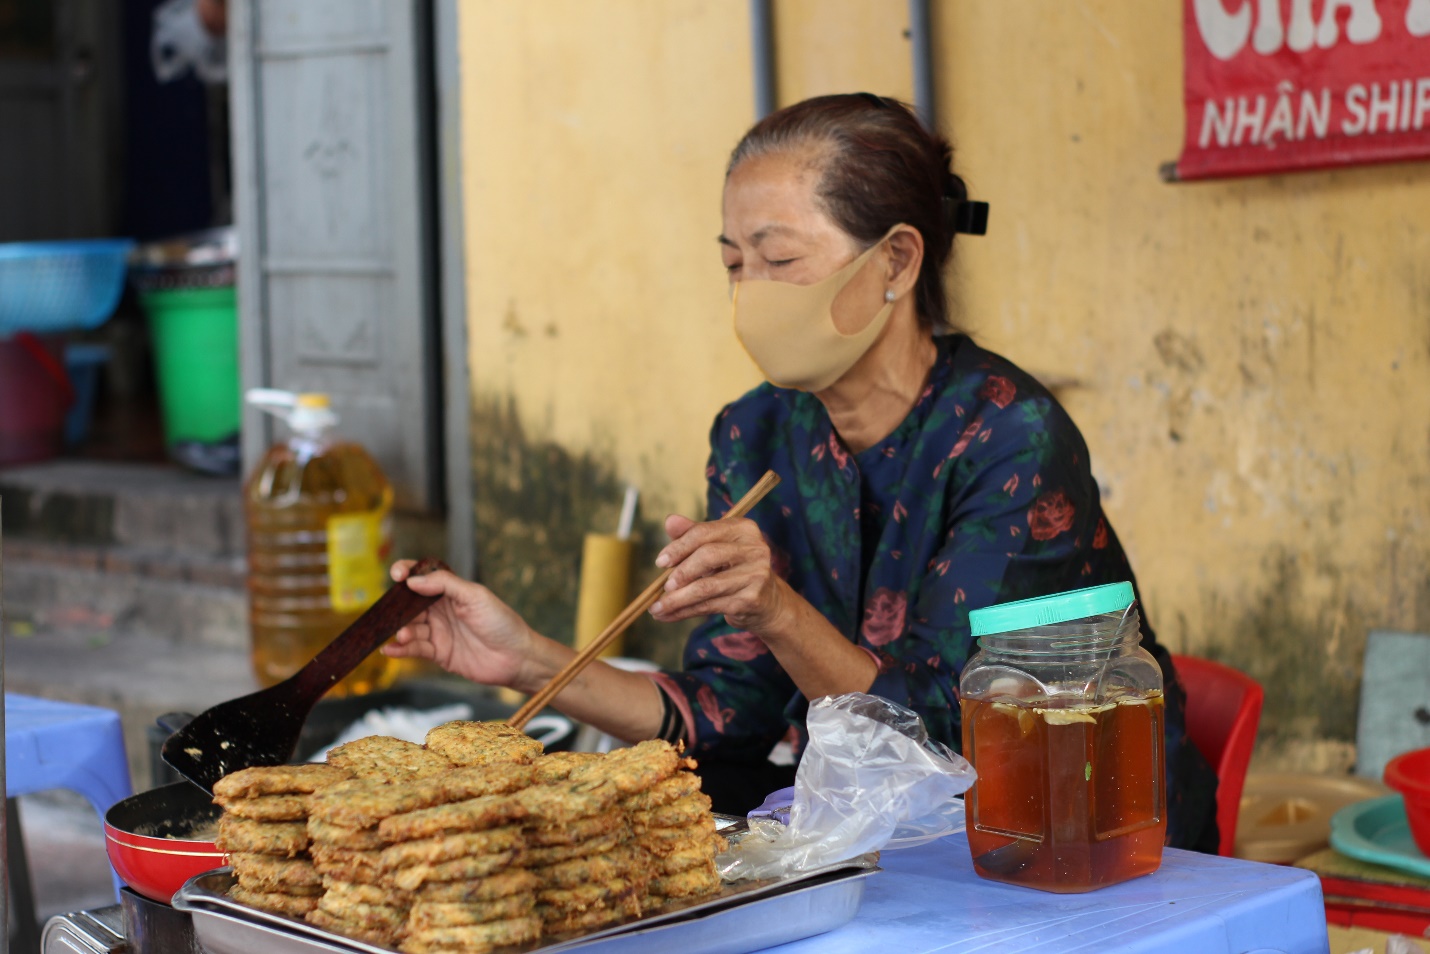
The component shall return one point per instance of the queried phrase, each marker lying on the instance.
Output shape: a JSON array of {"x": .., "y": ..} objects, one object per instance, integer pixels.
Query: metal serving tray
[{"x": 743, "y": 917}]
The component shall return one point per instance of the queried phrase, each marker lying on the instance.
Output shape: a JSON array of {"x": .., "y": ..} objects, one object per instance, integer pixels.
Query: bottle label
[{"x": 358, "y": 547}]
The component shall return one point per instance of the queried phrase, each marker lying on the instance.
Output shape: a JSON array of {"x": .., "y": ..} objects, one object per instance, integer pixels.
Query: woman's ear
[{"x": 906, "y": 257}]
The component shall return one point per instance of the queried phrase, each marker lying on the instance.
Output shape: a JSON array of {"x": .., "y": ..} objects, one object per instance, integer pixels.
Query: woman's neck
[{"x": 873, "y": 397}]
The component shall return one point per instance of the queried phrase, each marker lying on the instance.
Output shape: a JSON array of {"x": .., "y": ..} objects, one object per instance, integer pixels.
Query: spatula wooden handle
[{"x": 392, "y": 611}]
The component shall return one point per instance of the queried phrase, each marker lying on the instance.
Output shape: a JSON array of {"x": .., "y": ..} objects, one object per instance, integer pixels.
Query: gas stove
[{"x": 134, "y": 926}]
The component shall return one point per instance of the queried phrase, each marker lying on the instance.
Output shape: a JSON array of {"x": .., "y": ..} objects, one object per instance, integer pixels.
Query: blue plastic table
[
  {"x": 52, "y": 744},
  {"x": 929, "y": 899}
]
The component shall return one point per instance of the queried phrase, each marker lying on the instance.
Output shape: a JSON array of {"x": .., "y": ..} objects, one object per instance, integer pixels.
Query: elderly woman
[{"x": 923, "y": 477}]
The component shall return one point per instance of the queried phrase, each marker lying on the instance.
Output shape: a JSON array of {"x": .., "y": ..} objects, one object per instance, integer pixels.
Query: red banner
[{"x": 1280, "y": 85}]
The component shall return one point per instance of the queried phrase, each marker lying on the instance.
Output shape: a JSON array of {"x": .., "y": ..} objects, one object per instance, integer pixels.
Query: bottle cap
[
  {"x": 313, "y": 399},
  {"x": 1049, "y": 610}
]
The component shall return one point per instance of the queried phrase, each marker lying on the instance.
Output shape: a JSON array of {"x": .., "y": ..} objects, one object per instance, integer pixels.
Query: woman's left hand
[{"x": 721, "y": 567}]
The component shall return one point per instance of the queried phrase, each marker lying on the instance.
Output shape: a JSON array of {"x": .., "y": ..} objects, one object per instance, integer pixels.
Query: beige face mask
[{"x": 789, "y": 332}]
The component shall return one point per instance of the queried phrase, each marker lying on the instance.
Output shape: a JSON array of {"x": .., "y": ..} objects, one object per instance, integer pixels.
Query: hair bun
[{"x": 955, "y": 188}]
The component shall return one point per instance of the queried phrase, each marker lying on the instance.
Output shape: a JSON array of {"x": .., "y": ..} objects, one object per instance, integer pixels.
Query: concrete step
[
  {"x": 151, "y": 507},
  {"x": 182, "y": 598},
  {"x": 137, "y": 505},
  {"x": 139, "y": 675}
]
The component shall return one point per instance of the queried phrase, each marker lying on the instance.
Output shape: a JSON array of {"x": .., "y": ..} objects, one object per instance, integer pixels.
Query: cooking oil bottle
[{"x": 319, "y": 536}]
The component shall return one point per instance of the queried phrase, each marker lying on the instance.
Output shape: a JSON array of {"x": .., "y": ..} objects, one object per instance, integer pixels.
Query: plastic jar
[
  {"x": 1062, "y": 717},
  {"x": 319, "y": 529}
]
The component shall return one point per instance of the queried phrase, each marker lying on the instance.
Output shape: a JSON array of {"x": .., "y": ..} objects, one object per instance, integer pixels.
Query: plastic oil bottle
[{"x": 318, "y": 512}]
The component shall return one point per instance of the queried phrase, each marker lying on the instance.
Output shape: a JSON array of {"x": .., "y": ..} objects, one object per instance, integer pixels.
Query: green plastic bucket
[{"x": 195, "y": 332}]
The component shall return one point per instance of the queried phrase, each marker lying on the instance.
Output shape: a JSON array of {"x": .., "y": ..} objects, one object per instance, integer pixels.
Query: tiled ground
[{"x": 65, "y": 844}]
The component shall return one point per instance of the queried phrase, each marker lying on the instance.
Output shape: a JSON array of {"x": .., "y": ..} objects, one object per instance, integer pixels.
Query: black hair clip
[
  {"x": 876, "y": 99},
  {"x": 971, "y": 218}
]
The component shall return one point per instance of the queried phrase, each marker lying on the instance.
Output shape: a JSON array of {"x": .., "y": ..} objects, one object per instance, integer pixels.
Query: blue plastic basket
[{"x": 59, "y": 286}]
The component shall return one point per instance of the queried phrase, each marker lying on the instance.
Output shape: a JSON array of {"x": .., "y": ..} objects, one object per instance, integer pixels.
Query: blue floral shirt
[{"x": 982, "y": 495}]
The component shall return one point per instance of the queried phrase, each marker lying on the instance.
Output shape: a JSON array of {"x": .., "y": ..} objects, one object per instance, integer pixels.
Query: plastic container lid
[{"x": 1048, "y": 610}]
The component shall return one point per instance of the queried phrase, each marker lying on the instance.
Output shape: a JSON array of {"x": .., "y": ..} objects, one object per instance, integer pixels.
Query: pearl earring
[{"x": 889, "y": 294}]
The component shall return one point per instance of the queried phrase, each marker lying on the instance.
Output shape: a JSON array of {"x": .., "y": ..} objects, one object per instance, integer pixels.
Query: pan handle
[{"x": 172, "y": 722}]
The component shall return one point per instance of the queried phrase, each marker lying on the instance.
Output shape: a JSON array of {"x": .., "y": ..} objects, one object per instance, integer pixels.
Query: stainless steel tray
[{"x": 743, "y": 917}]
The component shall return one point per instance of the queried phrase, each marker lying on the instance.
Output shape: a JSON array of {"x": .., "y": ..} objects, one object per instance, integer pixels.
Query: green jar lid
[{"x": 1047, "y": 610}]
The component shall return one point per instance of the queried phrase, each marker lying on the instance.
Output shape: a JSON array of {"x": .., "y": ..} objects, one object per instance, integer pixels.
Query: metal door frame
[{"x": 443, "y": 227}]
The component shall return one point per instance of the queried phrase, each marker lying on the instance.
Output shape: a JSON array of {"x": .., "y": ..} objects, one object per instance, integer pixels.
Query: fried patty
[
  {"x": 482, "y": 743},
  {"x": 682, "y": 811},
  {"x": 268, "y": 838},
  {"x": 356, "y": 839},
  {"x": 328, "y": 922},
  {"x": 278, "y": 902},
  {"x": 352, "y": 872},
  {"x": 474, "y": 781},
  {"x": 555, "y": 766},
  {"x": 541, "y": 857},
  {"x": 582, "y": 829},
  {"x": 458, "y": 869},
  {"x": 471, "y": 815},
  {"x": 268, "y": 808},
  {"x": 565, "y": 922},
  {"x": 498, "y": 885},
  {"x": 694, "y": 882},
  {"x": 348, "y": 892},
  {"x": 373, "y": 917},
  {"x": 429, "y": 851},
  {"x": 663, "y": 841},
  {"x": 593, "y": 869},
  {"x": 277, "y": 780},
  {"x": 345, "y": 864},
  {"x": 663, "y": 792},
  {"x": 561, "y": 803},
  {"x": 610, "y": 893},
  {"x": 271, "y": 873},
  {"x": 474, "y": 938},
  {"x": 634, "y": 769},
  {"x": 439, "y": 914},
  {"x": 683, "y": 859},
  {"x": 381, "y": 756}
]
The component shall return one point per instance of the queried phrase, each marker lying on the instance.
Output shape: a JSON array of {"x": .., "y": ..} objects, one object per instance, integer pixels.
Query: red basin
[{"x": 1409, "y": 774}]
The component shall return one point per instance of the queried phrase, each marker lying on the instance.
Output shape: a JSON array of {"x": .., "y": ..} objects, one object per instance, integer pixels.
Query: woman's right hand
[{"x": 468, "y": 631}]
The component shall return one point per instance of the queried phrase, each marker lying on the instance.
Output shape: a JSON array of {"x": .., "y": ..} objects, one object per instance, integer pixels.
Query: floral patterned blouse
[{"x": 982, "y": 495}]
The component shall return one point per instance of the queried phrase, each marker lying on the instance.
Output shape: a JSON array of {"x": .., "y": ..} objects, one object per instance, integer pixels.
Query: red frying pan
[{"x": 161, "y": 838}]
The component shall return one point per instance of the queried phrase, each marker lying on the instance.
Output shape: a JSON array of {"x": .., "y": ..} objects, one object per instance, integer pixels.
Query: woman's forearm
[
  {"x": 624, "y": 704},
  {"x": 820, "y": 660}
]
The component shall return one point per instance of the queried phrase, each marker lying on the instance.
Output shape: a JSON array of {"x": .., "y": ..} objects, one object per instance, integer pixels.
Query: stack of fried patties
[
  {"x": 593, "y": 872},
  {"x": 458, "y": 855},
  {"x": 388, "y": 776},
  {"x": 264, "y": 832},
  {"x": 670, "y": 821}
]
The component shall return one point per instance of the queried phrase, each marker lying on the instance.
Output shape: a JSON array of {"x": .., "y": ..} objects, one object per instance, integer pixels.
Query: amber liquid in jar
[
  {"x": 1068, "y": 799},
  {"x": 288, "y": 502}
]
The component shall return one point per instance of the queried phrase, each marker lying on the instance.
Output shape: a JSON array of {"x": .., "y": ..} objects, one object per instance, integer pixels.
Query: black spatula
[{"x": 262, "y": 728}]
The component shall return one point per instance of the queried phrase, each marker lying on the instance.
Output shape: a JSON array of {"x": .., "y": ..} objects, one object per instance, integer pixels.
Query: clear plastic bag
[{"x": 870, "y": 767}]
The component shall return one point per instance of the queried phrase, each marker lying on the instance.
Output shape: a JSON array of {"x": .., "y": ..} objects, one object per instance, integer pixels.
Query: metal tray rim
[{"x": 202, "y": 896}]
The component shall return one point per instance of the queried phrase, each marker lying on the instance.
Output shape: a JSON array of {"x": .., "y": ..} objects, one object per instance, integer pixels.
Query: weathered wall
[
  {"x": 1249, "y": 360},
  {"x": 594, "y": 140},
  {"x": 1252, "y": 356}
]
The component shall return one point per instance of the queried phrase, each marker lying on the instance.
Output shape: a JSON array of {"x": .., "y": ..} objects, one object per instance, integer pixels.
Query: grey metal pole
[
  {"x": 762, "y": 42},
  {"x": 921, "y": 52},
  {"x": 4, "y": 825}
]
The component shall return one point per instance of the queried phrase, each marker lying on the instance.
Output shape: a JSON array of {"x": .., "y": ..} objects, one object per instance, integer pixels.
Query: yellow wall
[{"x": 1247, "y": 359}]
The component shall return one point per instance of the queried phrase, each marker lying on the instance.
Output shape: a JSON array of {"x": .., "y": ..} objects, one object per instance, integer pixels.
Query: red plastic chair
[{"x": 1223, "y": 709}]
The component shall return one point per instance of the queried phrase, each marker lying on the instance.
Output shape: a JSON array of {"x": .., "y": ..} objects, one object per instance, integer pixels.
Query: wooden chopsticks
[{"x": 628, "y": 616}]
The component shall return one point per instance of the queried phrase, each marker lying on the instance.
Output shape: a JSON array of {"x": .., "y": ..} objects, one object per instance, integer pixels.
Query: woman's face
[
  {"x": 773, "y": 226},
  {"x": 775, "y": 229}
]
